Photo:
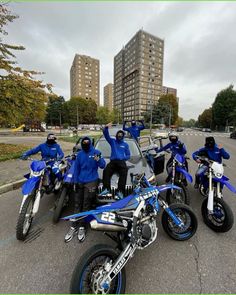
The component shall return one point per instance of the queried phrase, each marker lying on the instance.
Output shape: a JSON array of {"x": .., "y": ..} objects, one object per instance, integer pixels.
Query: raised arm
[
  {"x": 106, "y": 133},
  {"x": 142, "y": 125},
  {"x": 124, "y": 126}
]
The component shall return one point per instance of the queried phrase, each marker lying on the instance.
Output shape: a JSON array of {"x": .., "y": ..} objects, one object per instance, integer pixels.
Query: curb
[{"x": 11, "y": 186}]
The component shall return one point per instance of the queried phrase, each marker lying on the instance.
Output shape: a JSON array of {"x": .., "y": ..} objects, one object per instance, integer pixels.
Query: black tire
[
  {"x": 222, "y": 219},
  {"x": 60, "y": 205},
  {"x": 21, "y": 230},
  {"x": 189, "y": 218},
  {"x": 91, "y": 258},
  {"x": 178, "y": 196}
]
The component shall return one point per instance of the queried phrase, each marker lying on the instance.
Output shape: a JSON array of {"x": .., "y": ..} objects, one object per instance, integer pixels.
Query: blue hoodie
[
  {"x": 86, "y": 168},
  {"x": 48, "y": 151},
  {"x": 174, "y": 147},
  {"x": 119, "y": 148},
  {"x": 214, "y": 154},
  {"x": 134, "y": 130}
]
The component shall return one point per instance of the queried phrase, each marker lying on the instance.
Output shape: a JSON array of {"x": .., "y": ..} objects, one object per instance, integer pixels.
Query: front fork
[
  {"x": 210, "y": 201},
  {"x": 118, "y": 265},
  {"x": 176, "y": 219},
  {"x": 36, "y": 201}
]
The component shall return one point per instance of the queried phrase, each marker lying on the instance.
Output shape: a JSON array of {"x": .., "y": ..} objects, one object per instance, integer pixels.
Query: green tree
[
  {"x": 170, "y": 101},
  {"x": 103, "y": 116},
  {"x": 56, "y": 110},
  {"x": 116, "y": 116},
  {"x": 21, "y": 95},
  {"x": 190, "y": 123},
  {"x": 205, "y": 119},
  {"x": 85, "y": 109},
  {"x": 223, "y": 108}
]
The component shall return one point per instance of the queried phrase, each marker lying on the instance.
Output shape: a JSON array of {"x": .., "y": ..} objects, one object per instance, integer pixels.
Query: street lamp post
[{"x": 151, "y": 101}]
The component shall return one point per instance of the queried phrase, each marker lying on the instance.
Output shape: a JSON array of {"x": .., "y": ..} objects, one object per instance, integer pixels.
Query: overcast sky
[{"x": 200, "y": 42}]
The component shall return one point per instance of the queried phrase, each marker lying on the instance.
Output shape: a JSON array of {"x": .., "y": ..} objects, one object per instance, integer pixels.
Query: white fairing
[
  {"x": 210, "y": 201},
  {"x": 218, "y": 169},
  {"x": 36, "y": 203},
  {"x": 22, "y": 203}
]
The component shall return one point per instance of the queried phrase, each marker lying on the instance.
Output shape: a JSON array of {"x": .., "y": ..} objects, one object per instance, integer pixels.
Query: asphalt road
[{"x": 44, "y": 263}]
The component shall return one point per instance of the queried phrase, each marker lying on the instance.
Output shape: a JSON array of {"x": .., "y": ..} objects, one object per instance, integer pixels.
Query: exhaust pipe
[{"x": 106, "y": 227}]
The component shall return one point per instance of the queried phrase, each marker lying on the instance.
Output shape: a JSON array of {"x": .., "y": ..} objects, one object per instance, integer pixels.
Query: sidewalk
[{"x": 14, "y": 170}]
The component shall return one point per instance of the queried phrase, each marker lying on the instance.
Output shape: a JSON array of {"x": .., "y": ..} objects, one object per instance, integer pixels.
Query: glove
[{"x": 23, "y": 157}]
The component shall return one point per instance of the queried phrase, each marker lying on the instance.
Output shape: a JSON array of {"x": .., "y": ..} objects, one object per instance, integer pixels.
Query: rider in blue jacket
[
  {"x": 213, "y": 152},
  {"x": 134, "y": 129},
  {"x": 87, "y": 162},
  {"x": 120, "y": 153},
  {"x": 49, "y": 150},
  {"x": 176, "y": 147}
]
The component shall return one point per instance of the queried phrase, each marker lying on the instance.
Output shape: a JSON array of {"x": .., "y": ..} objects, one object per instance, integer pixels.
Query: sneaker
[
  {"x": 57, "y": 185},
  {"x": 119, "y": 196},
  {"x": 196, "y": 185},
  {"x": 81, "y": 234},
  {"x": 105, "y": 193},
  {"x": 69, "y": 236}
]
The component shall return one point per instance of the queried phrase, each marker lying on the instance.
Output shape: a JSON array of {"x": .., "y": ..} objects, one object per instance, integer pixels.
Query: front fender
[
  {"x": 30, "y": 185},
  {"x": 185, "y": 173},
  {"x": 167, "y": 186},
  {"x": 224, "y": 181}
]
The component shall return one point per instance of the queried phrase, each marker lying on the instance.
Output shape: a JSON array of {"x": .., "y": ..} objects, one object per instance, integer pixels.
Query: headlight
[
  {"x": 152, "y": 178},
  {"x": 35, "y": 173}
]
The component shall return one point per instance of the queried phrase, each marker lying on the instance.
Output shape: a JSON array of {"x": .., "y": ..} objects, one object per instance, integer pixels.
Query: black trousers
[
  {"x": 84, "y": 198},
  {"x": 115, "y": 166}
]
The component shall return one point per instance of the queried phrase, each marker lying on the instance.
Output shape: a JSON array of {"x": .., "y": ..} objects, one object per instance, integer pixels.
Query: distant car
[
  {"x": 162, "y": 133},
  {"x": 179, "y": 129},
  {"x": 233, "y": 135},
  {"x": 206, "y": 130}
]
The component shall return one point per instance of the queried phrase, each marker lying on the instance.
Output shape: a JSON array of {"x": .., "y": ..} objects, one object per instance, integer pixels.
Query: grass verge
[
  {"x": 75, "y": 138},
  {"x": 11, "y": 151}
]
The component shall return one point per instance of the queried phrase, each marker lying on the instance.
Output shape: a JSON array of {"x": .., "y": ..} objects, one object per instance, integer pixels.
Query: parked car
[
  {"x": 233, "y": 135},
  {"x": 179, "y": 129},
  {"x": 162, "y": 133},
  {"x": 206, "y": 129}
]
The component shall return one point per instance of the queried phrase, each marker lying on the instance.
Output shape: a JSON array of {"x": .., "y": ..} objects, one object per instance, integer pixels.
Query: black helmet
[
  {"x": 173, "y": 137},
  {"x": 210, "y": 142},
  {"x": 51, "y": 138},
  {"x": 133, "y": 122},
  {"x": 120, "y": 134}
]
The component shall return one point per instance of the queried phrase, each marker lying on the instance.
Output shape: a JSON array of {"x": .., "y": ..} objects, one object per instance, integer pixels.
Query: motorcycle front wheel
[
  {"x": 188, "y": 218},
  {"x": 178, "y": 196},
  {"x": 25, "y": 218},
  {"x": 222, "y": 218},
  {"x": 89, "y": 270}
]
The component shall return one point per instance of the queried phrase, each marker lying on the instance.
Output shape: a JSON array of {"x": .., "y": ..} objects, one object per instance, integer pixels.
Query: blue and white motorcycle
[
  {"x": 39, "y": 181},
  {"x": 216, "y": 212},
  {"x": 133, "y": 223},
  {"x": 178, "y": 175}
]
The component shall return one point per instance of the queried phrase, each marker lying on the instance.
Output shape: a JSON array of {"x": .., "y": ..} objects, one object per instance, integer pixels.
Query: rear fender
[
  {"x": 185, "y": 173},
  {"x": 224, "y": 181},
  {"x": 30, "y": 185},
  {"x": 165, "y": 187}
]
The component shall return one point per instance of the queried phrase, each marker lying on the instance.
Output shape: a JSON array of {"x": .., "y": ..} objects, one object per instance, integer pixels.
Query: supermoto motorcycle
[
  {"x": 178, "y": 175},
  {"x": 39, "y": 181},
  {"x": 216, "y": 212},
  {"x": 68, "y": 187},
  {"x": 133, "y": 223}
]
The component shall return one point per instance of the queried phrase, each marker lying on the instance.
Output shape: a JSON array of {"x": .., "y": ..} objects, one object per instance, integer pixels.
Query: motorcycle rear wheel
[
  {"x": 222, "y": 218},
  {"x": 60, "y": 205},
  {"x": 88, "y": 267}
]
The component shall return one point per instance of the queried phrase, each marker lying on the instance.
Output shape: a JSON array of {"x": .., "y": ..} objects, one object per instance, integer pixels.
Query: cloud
[{"x": 199, "y": 42}]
